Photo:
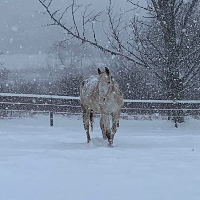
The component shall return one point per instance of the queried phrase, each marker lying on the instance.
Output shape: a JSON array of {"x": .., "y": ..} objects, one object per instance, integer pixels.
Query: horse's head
[{"x": 105, "y": 83}]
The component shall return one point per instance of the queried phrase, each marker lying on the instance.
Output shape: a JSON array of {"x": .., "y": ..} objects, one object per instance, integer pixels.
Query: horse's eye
[{"x": 108, "y": 82}]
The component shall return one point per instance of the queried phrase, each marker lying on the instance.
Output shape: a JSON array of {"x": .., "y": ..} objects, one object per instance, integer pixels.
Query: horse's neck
[{"x": 115, "y": 87}]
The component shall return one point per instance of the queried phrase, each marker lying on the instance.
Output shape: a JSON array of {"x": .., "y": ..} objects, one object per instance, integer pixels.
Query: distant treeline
[{"x": 135, "y": 83}]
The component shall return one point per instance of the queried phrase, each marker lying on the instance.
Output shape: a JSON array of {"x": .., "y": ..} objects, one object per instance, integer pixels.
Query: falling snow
[{"x": 153, "y": 55}]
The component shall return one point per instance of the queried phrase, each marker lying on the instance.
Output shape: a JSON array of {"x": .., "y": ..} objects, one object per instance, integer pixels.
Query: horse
[{"x": 101, "y": 94}]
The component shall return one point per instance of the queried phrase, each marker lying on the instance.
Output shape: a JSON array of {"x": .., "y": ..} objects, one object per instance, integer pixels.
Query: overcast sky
[{"x": 22, "y": 25}]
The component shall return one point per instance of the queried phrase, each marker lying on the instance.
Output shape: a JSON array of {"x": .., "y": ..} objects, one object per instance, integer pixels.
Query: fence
[{"x": 10, "y": 104}]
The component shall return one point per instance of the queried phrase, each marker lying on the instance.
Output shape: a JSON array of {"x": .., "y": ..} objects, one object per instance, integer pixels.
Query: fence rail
[
  {"x": 10, "y": 102},
  {"x": 78, "y": 98}
]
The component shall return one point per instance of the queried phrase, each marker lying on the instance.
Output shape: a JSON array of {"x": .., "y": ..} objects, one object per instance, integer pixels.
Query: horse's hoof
[
  {"x": 88, "y": 141},
  {"x": 110, "y": 145}
]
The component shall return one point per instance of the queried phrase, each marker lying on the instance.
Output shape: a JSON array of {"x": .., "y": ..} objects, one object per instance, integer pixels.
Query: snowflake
[
  {"x": 11, "y": 40},
  {"x": 15, "y": 28}
]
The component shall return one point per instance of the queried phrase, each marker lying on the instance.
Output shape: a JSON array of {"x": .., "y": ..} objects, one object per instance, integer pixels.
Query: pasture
[{"x": 151, "y": 160}]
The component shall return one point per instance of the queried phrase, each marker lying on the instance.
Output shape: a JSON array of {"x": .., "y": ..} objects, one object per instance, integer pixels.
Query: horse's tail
[{"x": 91, "y": 119}]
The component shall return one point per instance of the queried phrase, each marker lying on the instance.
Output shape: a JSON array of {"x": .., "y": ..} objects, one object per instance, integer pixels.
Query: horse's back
[
  {"x": 89, "y": 84},
  {"x": 89, "y": 93}
]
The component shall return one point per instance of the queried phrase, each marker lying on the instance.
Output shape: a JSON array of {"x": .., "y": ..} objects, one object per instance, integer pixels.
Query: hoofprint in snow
[{"x": 151, "y": 160}]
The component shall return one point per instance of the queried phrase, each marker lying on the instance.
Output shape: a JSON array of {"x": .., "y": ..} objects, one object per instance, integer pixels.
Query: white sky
[{"x": 22, "y": 28}]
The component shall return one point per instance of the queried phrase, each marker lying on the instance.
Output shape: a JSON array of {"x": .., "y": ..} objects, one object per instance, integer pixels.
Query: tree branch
[{"x": 84, "y": 40}]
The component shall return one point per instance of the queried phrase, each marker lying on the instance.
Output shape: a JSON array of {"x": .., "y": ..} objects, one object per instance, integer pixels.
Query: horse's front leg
[
  {"x": 106, "y": 123},
  {"x": 115, "y": 124},
  {"x": 103, "y": 127}
]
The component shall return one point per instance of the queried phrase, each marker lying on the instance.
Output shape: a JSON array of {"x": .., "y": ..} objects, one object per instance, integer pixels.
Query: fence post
[
  {"x": 175, "y": 114},
  {"x": 175, "y": 120},
  {"x": 51, "y": 112},
  {"x": 51, "y": 118}
]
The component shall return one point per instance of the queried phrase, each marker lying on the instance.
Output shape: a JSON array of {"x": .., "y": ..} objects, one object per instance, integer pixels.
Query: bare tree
[
  {"x": 169, "y": 31},
  {"x": 88, "y": 21},
  {"x": 170, "y": 41}
]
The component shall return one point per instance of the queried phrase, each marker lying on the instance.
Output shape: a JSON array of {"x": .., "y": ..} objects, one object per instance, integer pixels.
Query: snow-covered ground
[{"x": 151, "y": 160}]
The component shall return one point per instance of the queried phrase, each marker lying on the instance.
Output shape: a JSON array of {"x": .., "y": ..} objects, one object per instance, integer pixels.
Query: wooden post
[
  {"x": 51, "y": 118},
  {"x": 175, "y": 120},
  {"x": 175, "y": 114},
  {"x": 51, "y": 110}
]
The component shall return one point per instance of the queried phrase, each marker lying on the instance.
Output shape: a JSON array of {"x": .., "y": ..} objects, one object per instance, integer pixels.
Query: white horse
[{"x": 101, "y": 94}]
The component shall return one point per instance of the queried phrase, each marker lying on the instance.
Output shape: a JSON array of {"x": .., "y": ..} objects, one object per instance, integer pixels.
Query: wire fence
[{"x": 23, "y": 105}]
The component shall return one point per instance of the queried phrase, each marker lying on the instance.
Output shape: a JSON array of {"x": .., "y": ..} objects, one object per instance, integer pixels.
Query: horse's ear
[
  {"x": 99, "y": 71},
  {"x": 107, "y": 71}
]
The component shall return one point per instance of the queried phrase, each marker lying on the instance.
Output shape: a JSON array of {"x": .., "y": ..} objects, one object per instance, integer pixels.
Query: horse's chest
[
  {"x": 110, "y": 107},
  {"x": 94, "y": 105}
]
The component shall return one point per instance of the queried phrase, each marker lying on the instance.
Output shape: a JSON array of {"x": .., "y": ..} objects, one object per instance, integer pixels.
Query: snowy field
[{"x": 151, "y": 160}]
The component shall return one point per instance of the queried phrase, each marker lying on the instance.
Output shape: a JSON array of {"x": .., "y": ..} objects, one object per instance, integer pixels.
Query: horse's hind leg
[
  {"x": 87, "y": 127},
  {"x": 91, "y": 119},
  {"x": 86, "y": 121}
]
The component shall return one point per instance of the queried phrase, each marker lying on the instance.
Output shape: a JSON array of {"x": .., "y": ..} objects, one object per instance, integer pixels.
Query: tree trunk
[
  {"x": 175, "y": 92},
  {"x": 174, "y": 82}
]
